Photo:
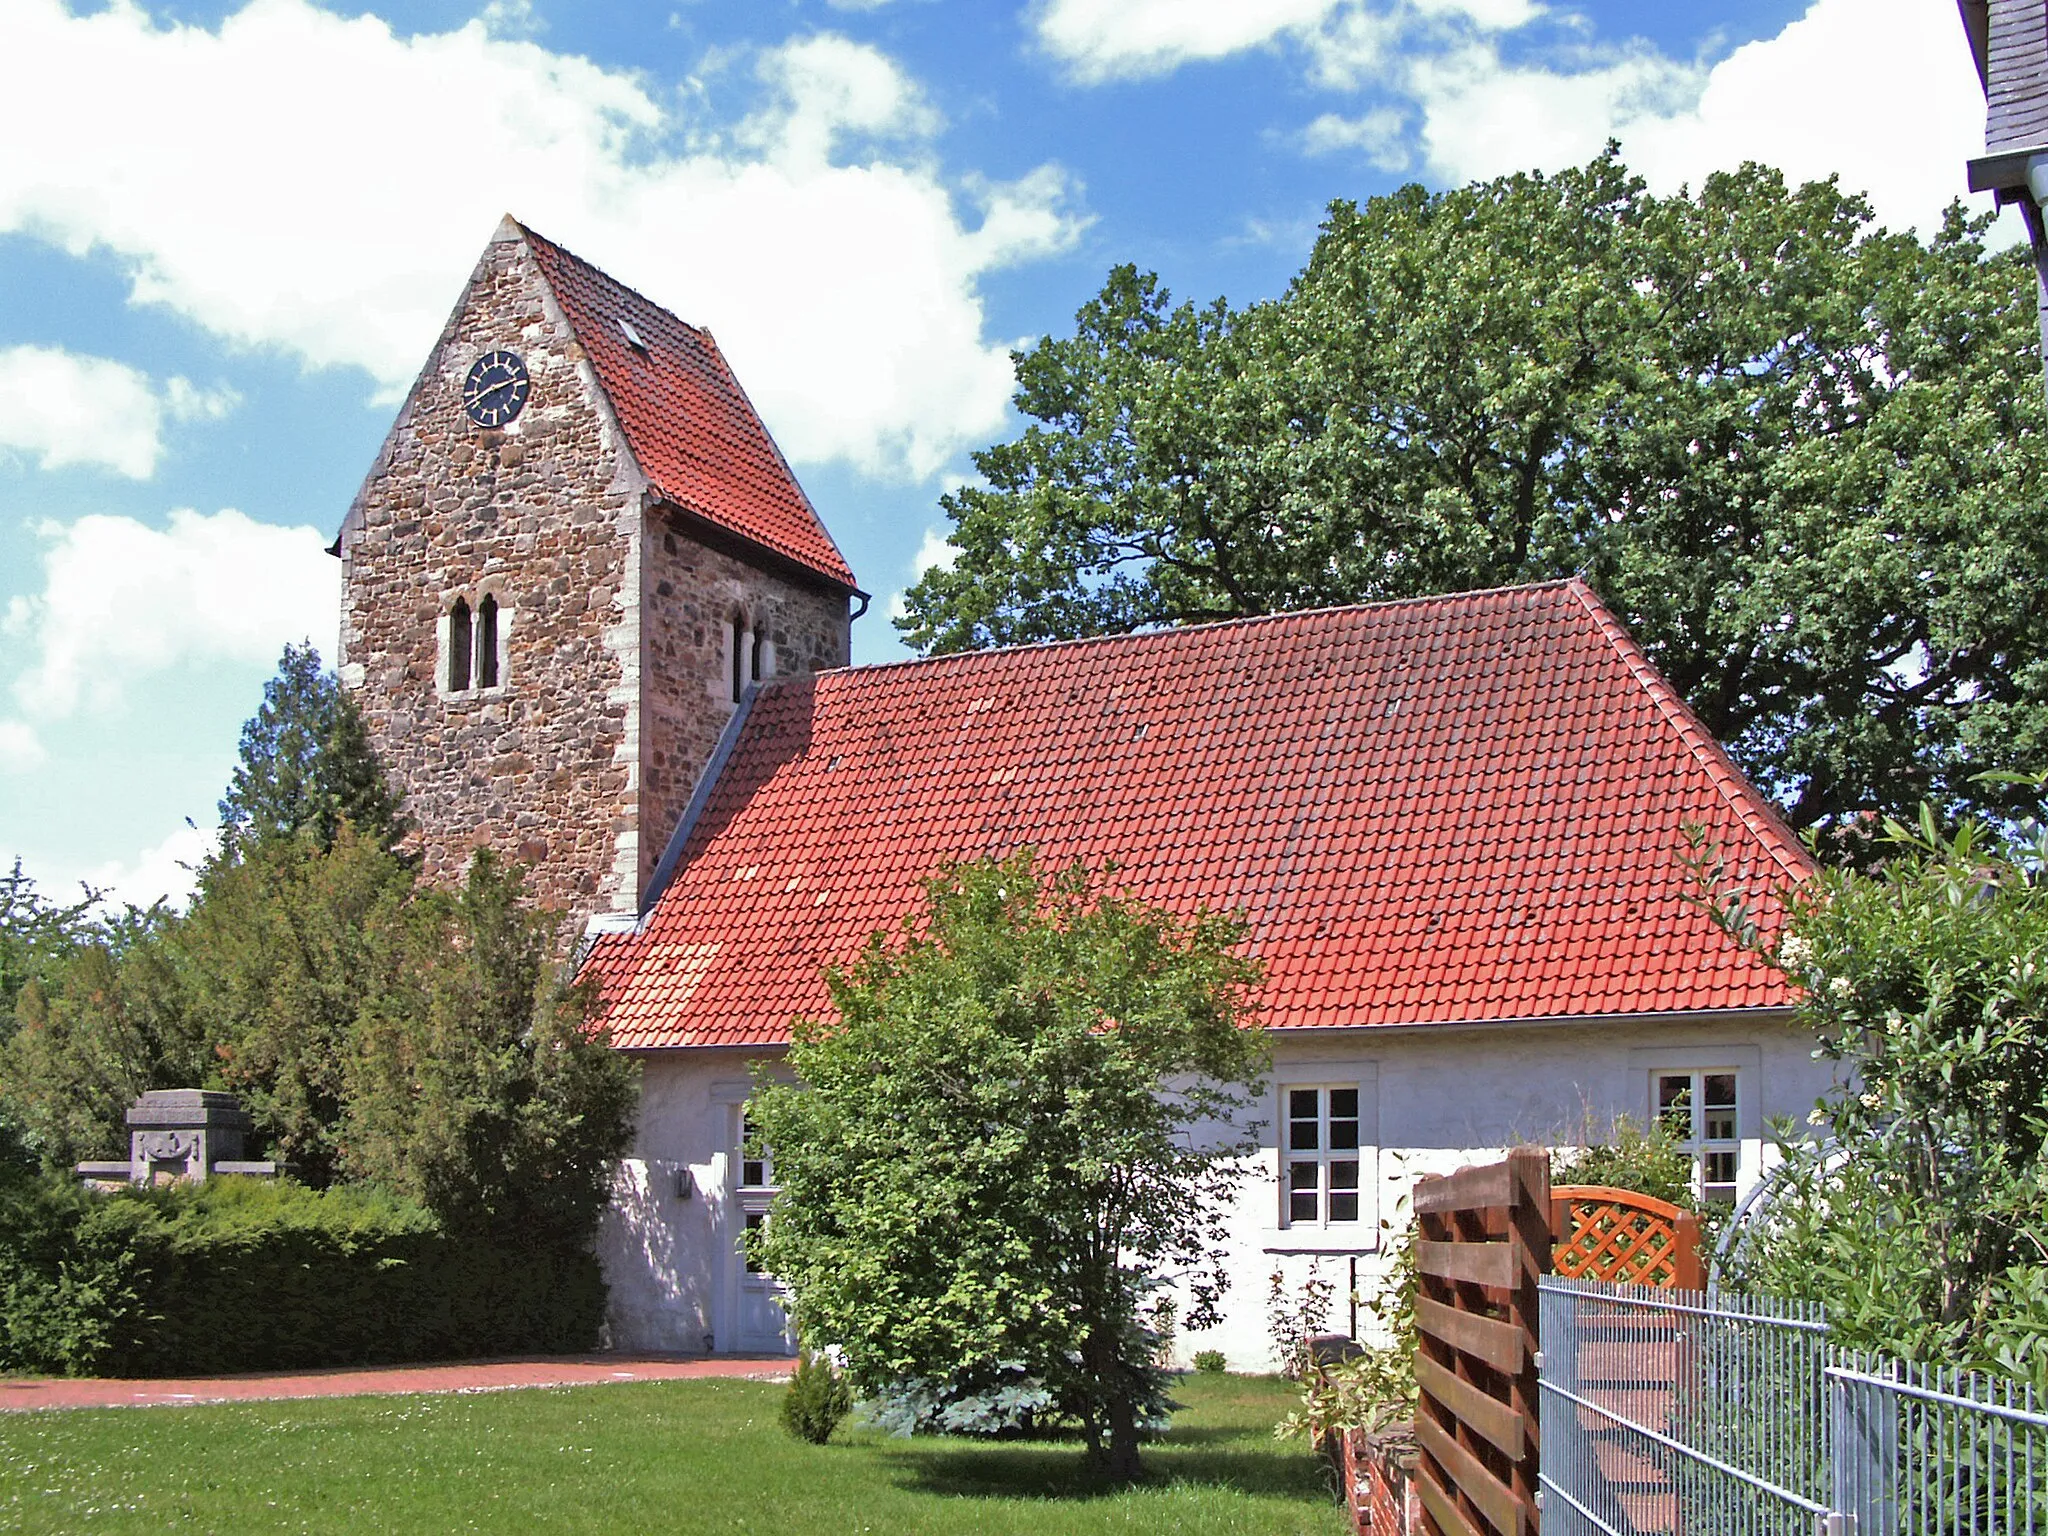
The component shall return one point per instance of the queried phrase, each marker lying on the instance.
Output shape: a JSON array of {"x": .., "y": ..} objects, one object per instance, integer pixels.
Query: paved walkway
[{"x": 27, "y": 1392}]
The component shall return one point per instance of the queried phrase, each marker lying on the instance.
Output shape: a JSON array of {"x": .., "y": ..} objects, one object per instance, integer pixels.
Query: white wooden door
[{"x": 763, "y": 1323}]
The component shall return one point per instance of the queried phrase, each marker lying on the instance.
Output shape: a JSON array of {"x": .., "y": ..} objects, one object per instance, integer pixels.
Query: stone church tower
[{"x": 577, "y": 551}]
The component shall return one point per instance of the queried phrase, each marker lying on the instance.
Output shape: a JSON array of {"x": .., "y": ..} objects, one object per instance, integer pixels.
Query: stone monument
[{"x": 181, "y": 1133}]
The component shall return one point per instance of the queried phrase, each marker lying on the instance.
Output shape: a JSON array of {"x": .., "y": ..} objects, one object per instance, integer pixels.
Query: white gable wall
[{"x": 1431, "y": 1100}]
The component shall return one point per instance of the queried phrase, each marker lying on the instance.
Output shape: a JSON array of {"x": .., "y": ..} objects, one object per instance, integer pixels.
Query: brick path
[{"x": 29, "y": 1392}]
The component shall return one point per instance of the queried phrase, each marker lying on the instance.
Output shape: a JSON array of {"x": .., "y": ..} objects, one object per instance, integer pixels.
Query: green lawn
[{"x": 658, "y": 1456}]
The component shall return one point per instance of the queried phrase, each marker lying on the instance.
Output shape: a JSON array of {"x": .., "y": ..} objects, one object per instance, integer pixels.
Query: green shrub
[
  {"x": 244, "y": 1275},
  {"x": 67, "y": 1283},
  {"x": 1210, "y": 1362},
  {"x": 817, "y": 1399}
]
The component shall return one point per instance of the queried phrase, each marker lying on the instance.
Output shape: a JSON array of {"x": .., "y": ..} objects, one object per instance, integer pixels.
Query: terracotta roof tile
[
  {"x": 692, "y": 429},
  {"x": 1459, "y": 809}
]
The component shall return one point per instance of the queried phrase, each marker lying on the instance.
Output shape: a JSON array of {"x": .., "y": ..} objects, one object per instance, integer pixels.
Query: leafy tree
[
  {"x": 995, "y": 1157},
  {"x": 1801, "y": 456},
  {"x": 307, "y": 765},
  {"x": 1921, "y": 1219},
  {"x": 475, "y": 1080},
  {"x": 36, "y": 934}
]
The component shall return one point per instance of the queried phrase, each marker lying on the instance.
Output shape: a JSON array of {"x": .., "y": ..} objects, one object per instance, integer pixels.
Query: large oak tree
[{"x": 1801, "y": 456}]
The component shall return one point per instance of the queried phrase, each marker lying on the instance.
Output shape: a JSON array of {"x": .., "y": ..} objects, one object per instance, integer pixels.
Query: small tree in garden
[
  {"x": 1922, "y": 1221},
  {"x": 1002, "y": 1145}
]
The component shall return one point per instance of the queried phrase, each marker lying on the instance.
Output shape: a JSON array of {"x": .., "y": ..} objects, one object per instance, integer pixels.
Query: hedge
[{"x": 248, "y": 1275}]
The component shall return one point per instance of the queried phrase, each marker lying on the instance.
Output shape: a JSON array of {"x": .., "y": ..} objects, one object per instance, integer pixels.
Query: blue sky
[{"x": 229, "y": 234}]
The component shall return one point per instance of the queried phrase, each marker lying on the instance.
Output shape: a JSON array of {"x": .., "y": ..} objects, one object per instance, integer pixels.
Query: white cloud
[
  {"x": 299, "y": 180},
  {"x": 1126, "y": 39},
  {"x": 1101, "y": 40},
  {"x": 62, "y": 408},
  {"x": 121, "y": 600},
  {"x": 1812, "y": 100},
  {"x": 935, "y": 550},
  {"x": 1378, "y": 135},
  {"x": 1482, "y": 118},
  {"x": 20, "y": 748},
  {"x": 164, "y": 873}
]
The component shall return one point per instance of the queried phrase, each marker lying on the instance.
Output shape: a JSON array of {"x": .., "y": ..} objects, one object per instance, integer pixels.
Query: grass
[{"x": 679, "y": 1456}]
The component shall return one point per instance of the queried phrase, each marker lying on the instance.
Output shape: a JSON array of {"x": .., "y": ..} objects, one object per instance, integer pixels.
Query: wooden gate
[
  {"x": 1483, "y": 1240},
  {"x": 1602, "y": 1233}
]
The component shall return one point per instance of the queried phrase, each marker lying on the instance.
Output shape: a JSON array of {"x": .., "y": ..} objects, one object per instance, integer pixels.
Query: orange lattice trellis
[{"x": 1616, "y": 1234}]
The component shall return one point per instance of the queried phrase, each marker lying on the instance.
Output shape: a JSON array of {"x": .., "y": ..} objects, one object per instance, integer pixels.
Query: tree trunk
[{"x": 1123, "y": 1439}]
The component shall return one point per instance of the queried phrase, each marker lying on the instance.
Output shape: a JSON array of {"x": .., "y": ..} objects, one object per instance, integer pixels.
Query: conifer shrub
[{"x": 817, "y": 1399}]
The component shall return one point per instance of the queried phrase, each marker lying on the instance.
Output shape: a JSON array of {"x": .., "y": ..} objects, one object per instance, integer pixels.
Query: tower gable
[{"x": 542, "y": 644}]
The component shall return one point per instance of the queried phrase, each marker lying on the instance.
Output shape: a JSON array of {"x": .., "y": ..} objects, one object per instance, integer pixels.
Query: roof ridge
[
  {"x": 1134, "y": 635},
  {"x": 590, "y": 266},
  {"x": 1749, "y": 805}
]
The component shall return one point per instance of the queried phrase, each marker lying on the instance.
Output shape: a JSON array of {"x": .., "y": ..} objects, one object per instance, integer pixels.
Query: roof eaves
[{"x": 720, "y": 535}]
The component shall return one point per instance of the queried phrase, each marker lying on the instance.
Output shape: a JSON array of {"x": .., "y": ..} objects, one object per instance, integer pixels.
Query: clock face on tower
[{"x": 496, "y": 388}]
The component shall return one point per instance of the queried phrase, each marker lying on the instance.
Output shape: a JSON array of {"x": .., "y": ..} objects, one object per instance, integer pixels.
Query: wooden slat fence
[{"x": 1483, "y": 1239}]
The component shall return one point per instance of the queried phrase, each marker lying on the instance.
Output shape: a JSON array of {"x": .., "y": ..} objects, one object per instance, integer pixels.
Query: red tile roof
[
  {"x": 692, "y": 429},
  {"x": 1458, "y": 809}
]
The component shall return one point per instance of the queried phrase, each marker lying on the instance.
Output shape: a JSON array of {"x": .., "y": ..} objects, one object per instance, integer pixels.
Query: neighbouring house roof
[
  {"x": 690, "y": 426},
  {"x": 1452, "y": 810}
]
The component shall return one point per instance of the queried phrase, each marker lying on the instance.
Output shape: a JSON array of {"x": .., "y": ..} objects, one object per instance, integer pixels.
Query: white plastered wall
[{"x": 1431, "y": 1100}]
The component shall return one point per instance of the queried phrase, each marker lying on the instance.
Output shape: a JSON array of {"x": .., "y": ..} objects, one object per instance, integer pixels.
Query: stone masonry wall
[
  {"x": 690, "y": 595},
  {"x": 543, "y": 514}
]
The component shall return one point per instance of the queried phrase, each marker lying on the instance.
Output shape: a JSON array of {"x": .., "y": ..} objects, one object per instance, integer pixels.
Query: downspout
[{"x": 2037, "y": 237}]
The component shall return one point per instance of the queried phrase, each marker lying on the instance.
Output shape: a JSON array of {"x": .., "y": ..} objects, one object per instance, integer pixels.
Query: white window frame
[
  {"x": 444, "y": 664},
  {"x": 1710, "y": 1130},
  {"x": 1745, "y": 1064},
  {"x": 1285, "y": 1235}
]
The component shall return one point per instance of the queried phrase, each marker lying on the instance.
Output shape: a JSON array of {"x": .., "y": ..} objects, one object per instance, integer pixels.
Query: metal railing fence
[
  {"x": 1926, "y": 1451},
  {"x": 1674, "y": 1412},
  {"x": 1671, "y": 1413}
]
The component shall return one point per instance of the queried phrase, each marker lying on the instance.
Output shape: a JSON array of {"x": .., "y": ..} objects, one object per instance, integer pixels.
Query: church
[{"x": 595, "y": 624}]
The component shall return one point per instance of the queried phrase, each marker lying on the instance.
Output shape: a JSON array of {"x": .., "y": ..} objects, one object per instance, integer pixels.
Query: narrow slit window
[
  {"x": 739, "y": 660},
  {"x": 458, "y": 646},
  {"x": 487, "y": 642},
  {"x": 754, "y": 660}
]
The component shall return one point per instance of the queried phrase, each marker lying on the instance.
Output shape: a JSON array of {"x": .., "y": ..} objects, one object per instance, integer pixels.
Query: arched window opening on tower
[
  {"x": 736, "y": 650},
  {"x": 458, "y": 646},
  {"x": 754, "y": 666},
  {"x": 487, "y": 642}
]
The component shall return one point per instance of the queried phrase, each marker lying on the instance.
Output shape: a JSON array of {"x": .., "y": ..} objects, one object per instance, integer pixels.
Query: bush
[
  {"x": 1210, "y": 1362},
  {"x": 817, "y": 1399},
  {"x": 242, "y": 1275}
]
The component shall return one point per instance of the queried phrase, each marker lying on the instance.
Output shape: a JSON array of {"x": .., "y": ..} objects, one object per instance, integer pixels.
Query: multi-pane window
[
  {"x": 756, "y": 1221},
  {"x": 1320, "y": 1155},
  {"x": 757, "y": 1166},
  {"x": 1697, "y": 1110}
]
